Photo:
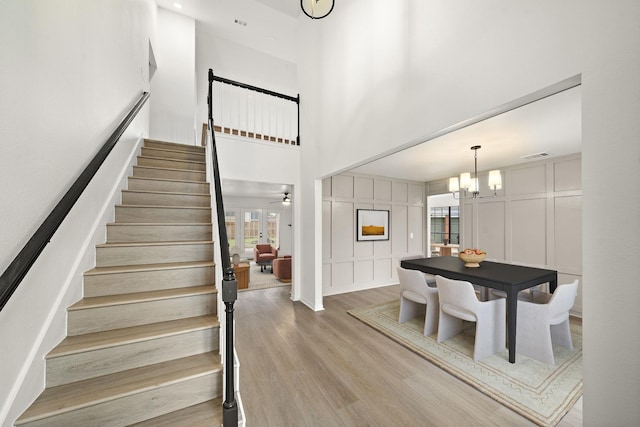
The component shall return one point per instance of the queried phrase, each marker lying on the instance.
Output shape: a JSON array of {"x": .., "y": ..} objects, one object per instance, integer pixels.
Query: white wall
[
  {"x": 436, "y": 64},
  {"x": 240, "y": 63},
  {"x": 69, "y": 71},
  {"x": 173, "y": 85},
  {"x": 350, "y": 265}
]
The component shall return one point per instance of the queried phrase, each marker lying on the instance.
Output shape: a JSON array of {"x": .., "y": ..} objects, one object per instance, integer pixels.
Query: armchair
[
  {"x": 281, "y": 268},
  {"x": 264, "y": 254}
]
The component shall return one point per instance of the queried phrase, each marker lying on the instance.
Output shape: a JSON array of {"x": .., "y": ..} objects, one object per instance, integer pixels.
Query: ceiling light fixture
[
  {"x": 177, "y": 5},
  {"x": 467, "y": 188},
  {"x": 286, "y": 200},
  {"x": 316, "y": 9}
]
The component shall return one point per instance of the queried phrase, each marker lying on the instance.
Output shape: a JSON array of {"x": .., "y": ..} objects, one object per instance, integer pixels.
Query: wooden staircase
[{"x": 142, "y": 345}]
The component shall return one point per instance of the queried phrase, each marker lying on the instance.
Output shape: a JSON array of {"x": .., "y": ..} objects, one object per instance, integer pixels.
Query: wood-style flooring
[{"x": 306, "y": 368}]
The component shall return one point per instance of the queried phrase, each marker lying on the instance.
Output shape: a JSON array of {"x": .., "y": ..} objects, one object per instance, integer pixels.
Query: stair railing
[
  {"x": 243, "y": 111},
  {"x": 22, "y": 263},
  {"x": 229, "y": 282}
]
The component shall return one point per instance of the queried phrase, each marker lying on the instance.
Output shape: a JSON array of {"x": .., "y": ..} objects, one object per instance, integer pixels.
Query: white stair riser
[
  {"x": 144, "y": 184},
  {"x": 165, "y": 199},
  {"x": 150, "y": 214},
  {"x": 142, "y": 281},
  {"x": 141, "y": 313},
  {"x": 163, "y": 173},
  {"x": 90, "y": 364},
  {"x": 141, "y": 406},
  {"x": 169, "y": 153},
  {"x": 171, "y": 164},
  {"x": 172, "y": 146},
  {"x": 119, "y": 233}
]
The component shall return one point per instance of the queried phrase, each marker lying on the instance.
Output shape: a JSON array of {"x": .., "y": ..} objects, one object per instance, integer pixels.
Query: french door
[{"x": 259, "y": 226}]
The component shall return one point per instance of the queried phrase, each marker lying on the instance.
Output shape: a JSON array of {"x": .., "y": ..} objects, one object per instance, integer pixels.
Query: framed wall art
[{"x": 372, "y": 225}]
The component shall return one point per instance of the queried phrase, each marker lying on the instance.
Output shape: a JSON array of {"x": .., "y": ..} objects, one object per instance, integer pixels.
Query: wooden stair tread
[
  {"x": 137, "y": 297},
  {"x": 165, "y": 179},
  {"x": 204, "y": 414},
  {"x": 148, "y": 267},
  {"x": 193, "y": 148},
  {"x": 116, "y": 337},
  {"x": 60, "y": 399},
  {"x": 170, "y": 169},
  {"x": 164, "y": 207},
  {"x": 139, "y": 244},
  {"x": 173, "y": 193},
  {"x": 173, "y": 160}
]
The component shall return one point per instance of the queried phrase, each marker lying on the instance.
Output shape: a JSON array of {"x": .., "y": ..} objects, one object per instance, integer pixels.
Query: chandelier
[
  {"x": 468, "y": 188},
  {"x": 316, "y": 9}
]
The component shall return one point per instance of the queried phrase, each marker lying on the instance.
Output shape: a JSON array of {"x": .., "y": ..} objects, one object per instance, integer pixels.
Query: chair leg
[
  {"x": 448, "y": 326},
  {"x": 561, "y": 334},
  {"x": 409, "y": 310}
]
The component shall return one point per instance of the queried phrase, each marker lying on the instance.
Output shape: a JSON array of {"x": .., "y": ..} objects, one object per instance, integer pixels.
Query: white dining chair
[
  {"x": 417, "y": 298},
  {"x": 544, "y": 321},
  {"x": 458, "y": 302}
]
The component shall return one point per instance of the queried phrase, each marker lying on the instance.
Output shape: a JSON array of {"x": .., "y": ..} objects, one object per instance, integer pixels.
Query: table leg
[
  {"x": 553, "y": 285},
  {"x": 512, "y": 316}
]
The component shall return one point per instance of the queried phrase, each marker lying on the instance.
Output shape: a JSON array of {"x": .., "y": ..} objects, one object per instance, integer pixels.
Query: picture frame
[{"x": 372, "y": 225}]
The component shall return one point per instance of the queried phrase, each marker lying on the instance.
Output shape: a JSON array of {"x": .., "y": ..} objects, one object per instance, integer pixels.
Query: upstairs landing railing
[{"x": 253, "y": 112}]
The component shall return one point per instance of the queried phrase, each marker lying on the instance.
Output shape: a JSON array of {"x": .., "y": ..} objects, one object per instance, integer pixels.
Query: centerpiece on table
[{"x": 472, "y": 257}]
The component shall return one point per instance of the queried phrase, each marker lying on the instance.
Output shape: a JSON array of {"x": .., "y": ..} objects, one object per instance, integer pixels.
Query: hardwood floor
[{"x": 302, "y": 368}]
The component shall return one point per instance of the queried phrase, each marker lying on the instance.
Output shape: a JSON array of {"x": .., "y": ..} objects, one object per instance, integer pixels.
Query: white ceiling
[
  {"x": 551, "y": 125},
  {"x": 270, "y": 24}
]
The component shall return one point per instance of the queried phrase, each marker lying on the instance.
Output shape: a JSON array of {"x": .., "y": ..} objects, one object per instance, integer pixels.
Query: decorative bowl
[{"x": 472, "y": 260}]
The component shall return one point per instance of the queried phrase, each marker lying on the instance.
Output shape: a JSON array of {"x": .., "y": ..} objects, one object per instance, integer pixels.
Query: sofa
[
  {"x": 281, "y": 268},
  {"x": 264, "y": 254}
]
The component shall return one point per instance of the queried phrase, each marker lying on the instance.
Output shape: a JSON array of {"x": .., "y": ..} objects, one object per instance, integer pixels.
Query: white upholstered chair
[
  {"x": 545, "y": 321},
  {"x": 415, "y": 294},
  {"x": 458, "y": 302}
]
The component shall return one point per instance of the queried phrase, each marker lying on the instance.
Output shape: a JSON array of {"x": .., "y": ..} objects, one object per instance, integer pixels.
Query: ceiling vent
[{"x": 535, "y": 156}]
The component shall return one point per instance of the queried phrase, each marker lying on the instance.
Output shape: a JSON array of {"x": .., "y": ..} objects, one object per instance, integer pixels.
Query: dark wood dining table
[{"x": 509, "y": 278}]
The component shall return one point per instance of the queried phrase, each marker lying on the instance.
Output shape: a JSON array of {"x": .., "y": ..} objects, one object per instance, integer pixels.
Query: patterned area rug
[
  {"x": 540, "y": 392},
  {"x": 262, "y": 280}
]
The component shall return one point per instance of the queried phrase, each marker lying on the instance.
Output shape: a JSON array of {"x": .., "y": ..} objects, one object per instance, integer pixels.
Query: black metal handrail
[
  {"x": 295, "y": 99},
  {"x": 20, "y": 266},
  {"x": 229, "y": 282}
]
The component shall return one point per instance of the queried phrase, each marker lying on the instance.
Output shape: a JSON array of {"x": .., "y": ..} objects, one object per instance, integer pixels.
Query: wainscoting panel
[
  {"x": 364, "y": 271},
  {"x": 400, "y": 192},
  {"x": 326, "y": 229},
  {"x": 529, "y": 231},
  {"x": 363, "y": 188},
  {"x": 491, "y": 229},
  {"x": 568, "y": 231},
  {"x": 399, "y": 225},
  {"x": 382, "y": 190},
  {"x": 528, "y": 180},
  {"x": 416, "y": 215},
  {"x": 382, "y": 270},
  {"x": 350, "y": 265},
  {"x": 567, "y": 175},
  {"x": 343, "y": 232}
]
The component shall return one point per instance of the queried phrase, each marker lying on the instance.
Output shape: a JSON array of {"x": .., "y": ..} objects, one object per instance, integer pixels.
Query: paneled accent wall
[
  {"x": 535, "y": 220},
  {"x": 349, "y": 265}
]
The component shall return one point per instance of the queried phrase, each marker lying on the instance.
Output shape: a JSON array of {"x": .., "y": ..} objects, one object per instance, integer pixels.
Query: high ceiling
[
  {"x": 551, "y": 125},
  {"x": 265, "y": 25}
]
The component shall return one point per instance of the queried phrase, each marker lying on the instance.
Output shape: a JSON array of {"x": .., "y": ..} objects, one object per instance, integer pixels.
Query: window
[{"x": 445, "y": 224}]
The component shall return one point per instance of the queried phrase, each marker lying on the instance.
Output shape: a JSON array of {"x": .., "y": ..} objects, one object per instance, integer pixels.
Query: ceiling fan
[{"x": 286, "y": 200}]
